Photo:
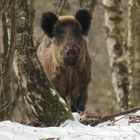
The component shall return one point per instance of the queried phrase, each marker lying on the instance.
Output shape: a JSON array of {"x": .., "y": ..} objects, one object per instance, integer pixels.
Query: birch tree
[
  {"x": 134, "y": 50},
  {"x": 117, "y": 51}
]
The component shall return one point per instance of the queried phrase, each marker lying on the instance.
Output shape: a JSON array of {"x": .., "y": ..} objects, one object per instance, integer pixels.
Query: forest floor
[{"x": 121, "y": 128}]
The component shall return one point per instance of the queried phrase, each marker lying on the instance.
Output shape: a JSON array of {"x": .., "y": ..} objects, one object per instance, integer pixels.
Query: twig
[
  {"x": 94, "y": 121},
  {"x": 60, "y": 7},
  {"x": 4, "y": 106}
]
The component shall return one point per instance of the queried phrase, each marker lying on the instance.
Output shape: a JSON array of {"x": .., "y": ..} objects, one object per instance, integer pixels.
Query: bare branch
[{"x": 94, "y": 120}]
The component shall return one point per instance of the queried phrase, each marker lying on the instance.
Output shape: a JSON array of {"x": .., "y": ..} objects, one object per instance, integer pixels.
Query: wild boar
[{"x": 65, "y": 58}]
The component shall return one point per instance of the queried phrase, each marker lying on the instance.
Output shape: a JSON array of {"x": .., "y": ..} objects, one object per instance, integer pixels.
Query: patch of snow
[
  {"x": 53, "y": 91},
  {"x": 76, "y": 116},
  {"x": 66, "y": 108},
  {"x": 137, "y": 113},
  {"x": 62, "y": 100},
  {"x": 73, "y": 130}
]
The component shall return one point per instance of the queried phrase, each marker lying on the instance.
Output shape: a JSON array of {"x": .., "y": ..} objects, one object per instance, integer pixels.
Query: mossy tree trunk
[
  {"x": 117, "y": 51},
  {"x": 45, "y": 106},
  {"x": 43, "y": 100}
]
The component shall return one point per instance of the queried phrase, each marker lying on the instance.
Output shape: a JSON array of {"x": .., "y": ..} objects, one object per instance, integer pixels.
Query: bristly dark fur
[
  {"x": 47, "y": 22},
  {"x": 66, "y": 61},
  {"x": 84, "y": 17},
  {"x": 73, "y": 25}
]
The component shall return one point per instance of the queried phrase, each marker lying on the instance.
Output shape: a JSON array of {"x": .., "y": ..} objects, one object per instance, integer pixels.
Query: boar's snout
[{"x": 71, "y": 55}]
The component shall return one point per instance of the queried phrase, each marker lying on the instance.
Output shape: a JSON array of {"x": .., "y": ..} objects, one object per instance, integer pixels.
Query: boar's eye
[
  {"x": 77, "y": 32},
  {"x": 58, "y": 32}
]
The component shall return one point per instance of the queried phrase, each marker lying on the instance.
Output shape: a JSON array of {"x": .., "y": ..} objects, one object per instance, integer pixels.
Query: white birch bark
[{"x": 117, "y": 51}]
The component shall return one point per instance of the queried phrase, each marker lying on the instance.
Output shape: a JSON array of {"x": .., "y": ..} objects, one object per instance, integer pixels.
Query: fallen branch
[{"x": 94, "y": 120}]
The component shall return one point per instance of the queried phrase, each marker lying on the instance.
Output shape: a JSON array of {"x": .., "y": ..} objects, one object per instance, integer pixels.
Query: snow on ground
[{"x": 73, "y": 130}]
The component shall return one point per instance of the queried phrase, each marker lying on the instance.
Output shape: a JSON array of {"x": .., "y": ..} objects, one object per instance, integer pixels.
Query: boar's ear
[
  {"x": 48, "y": 20},
  {"x": 84, "y": 17}
]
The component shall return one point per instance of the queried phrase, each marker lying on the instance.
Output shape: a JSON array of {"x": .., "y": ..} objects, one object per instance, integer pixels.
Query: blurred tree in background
[
  {"x": 8, "y": 86},
  {"x": 134, "y": 50},
  {"x": 117, "y": 51}
]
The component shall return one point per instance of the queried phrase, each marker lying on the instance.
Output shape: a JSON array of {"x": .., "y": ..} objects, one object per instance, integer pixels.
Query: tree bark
[
  {"x": 89, "y": 4},
  {"x": 134, "y": 50},
  {"x": 42, "y": 99},
  {"x": 117, "y": 51},
  {"x": 7, "y": 82}
]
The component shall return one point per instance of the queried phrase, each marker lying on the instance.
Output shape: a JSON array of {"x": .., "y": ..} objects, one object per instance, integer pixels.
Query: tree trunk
[
  {"x": 134, "y": 50},
  {"x": 117, "y": 51},
  {"x": 42, "y": 99},
  {"x": 89, "y": 4},
  {"x": 7, "y": 81}
]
